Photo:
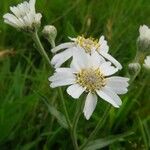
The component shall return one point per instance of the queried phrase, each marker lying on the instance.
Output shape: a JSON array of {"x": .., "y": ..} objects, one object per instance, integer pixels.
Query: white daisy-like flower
[
  {"x": 91, "y": 75},
  {"x": 23, "y": 16},
  {"x": 147, "y": 62},
  {"x": 88, "y": 45}
]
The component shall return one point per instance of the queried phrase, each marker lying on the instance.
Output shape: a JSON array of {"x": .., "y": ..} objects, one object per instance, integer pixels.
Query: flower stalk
[
  {"x": 72, "y": 133},
  {"x": 40, "y": 46},
  {"x": 97, "y": 128}
]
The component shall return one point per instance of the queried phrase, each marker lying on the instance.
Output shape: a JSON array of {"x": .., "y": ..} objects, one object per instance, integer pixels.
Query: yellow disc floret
[
  {"x": 91, "y": 79},
  {"x": 87, "y": 43}
]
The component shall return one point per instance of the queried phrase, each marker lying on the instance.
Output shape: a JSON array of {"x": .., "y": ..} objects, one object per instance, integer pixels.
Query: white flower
[
  {"x": 23, "y": 16},
  {"x": 144, "y": 39},
  {"x": 144, "y": 33},
  {"x": 91, "y": 75},
  {"x": 147, "y": 62},
  {"x": 88, "y": 45}
]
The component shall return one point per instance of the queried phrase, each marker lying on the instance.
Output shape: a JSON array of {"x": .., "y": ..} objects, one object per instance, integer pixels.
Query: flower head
[
  {"x": 88, "y": 45},
  {"x": 147, "y": 63},
  {"x": 89, "y": 74},
  {"x": 23, "y": 16},
  {"x": 144, "y": 38}
]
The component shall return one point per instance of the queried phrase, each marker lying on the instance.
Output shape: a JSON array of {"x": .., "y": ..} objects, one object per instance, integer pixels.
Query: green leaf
[
  {"x": 101, "y": 143},
  {"x": 53, "y": 111}
]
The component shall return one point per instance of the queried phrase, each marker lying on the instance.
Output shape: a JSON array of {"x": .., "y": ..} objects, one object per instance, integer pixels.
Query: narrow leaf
[
  {"x": 53, "y": 111},
  {"x": 101, "y": 143}
]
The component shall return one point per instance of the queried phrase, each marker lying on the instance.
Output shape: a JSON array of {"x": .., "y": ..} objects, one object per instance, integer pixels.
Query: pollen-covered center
[
  {"x": 87, "y": 43},
  {"x": 91, "y": 79}
]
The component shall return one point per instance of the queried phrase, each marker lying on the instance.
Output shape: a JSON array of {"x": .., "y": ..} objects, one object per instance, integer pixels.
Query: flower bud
[
  {"x": 50, "y": 33},
  {"x": 146, "y": 64},
  {"x": 134, "y": 68},
  {"x": 143, "y": 41}
]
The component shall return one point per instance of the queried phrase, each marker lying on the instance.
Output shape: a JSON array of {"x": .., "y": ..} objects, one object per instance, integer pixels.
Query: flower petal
[
  {"x": 63, "y": 76},
  {"x": 103, "y": 45},
  {"x": 90, "y": 104},
  {"x": 118, "y": 84},
  {"x": 60, "y": 58},
  {"x": 12, "y": 19},
  {"x": 80, "y": 60},
  {"x": 109, "y": 96},
  {"x": 111, "y": 59},
  {"x": 107, "y": 69},
  {"x": 32, "y": 5},
  {"x": 62, "y": 46},
  {"x": 96, "y": 60},
  {"x": 75, "y": 90}
]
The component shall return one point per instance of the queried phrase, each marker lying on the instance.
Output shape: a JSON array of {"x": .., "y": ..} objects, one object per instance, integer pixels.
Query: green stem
[
  {"x": 40, "y": 47},
  {"x": 75, "y": 145},
  {"x": 78, "y": 113},
  {"x": 97, "y": 128},
  {"x": 134, "y": 76}
]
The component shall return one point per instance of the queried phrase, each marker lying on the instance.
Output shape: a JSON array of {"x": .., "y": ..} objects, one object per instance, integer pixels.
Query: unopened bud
[
  {"x": 134, "y": 68},
  {"x": 50, "y": 33},
  {"x": 143, "y": 41}
]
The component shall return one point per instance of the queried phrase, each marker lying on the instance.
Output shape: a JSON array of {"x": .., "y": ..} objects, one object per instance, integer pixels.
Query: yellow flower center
[
  {"x": 91, "y": 79},
  {"x": 87, "y": 43}
]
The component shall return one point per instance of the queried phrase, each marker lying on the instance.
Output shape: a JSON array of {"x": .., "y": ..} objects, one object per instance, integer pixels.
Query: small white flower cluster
[
  {"x": 143, "y": 43},
  {"x": 145, "y": 39},
  {"x": 90, "y": 71},
  {"x": 24, "y": 16}
]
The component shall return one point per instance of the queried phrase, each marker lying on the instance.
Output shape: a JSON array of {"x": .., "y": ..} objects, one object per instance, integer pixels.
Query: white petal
[
  {"x": 90, "y": 105},
  {"x": 37, "y": 18},
  {"x": 75, "y": 90},
  {"x": 11, "y": 24},
  {"x": 117, "y": 78},
  {"x": 107, "y": 69},
  {"x": 11, "y": 18},
  {"x": 118, "y": 84},
  {"x": 95, "y": 60},
  {"x": 15, "y": 11},
  {"x": 109, "y": 96},
  {"x": 80, "y": 60},
  {"x": 62, "y": 74},
  {"x": 60, "y": 58},
  {"x": 32, "y": 5},
  {"x": 72, "y": 39},
  {"x": 62, "y": 82},
  {"x": 62, "y": 46},
  {"x": 103, "y": 45},
  {"x": 111, "y": 59}
]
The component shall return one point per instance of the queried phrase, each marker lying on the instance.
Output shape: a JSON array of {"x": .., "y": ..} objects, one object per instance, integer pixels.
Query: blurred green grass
[{"x": 25, "y": 122}]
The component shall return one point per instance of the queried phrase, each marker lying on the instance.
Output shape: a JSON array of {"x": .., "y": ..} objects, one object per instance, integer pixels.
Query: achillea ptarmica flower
[
  {"x": 143, "y": 41},
  {"x": 147, "y": 63},
  {"x": 88, "y": 45},
  {"x": 91, "y": 75},
  {"x": 24, "y": 16}
]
